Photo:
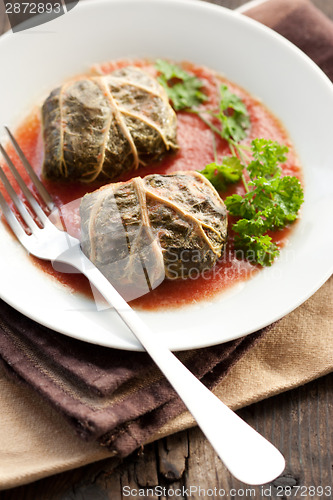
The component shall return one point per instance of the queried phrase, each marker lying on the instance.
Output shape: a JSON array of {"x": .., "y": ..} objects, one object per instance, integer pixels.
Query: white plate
[{"x": 35, "y": 61}]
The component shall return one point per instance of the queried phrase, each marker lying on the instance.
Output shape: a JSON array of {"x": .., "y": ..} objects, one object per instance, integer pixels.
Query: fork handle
[{"x": 247, "y": 455}]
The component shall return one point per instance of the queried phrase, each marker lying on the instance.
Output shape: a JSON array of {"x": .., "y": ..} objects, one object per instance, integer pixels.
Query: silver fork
[{"x": 248, "y": 456}]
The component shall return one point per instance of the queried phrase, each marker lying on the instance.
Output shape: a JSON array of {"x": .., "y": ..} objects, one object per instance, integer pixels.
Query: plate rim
[{"x": 206, "y": 6}]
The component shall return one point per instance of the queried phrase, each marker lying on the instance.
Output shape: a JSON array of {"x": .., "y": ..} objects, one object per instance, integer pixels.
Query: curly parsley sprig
[
  {"x": 231, "y": 123},
  {"x": 271, "y": 201},
  {"x": 232, "y": 115},
  {"x": 183, "y": 89},
  {"x": 227, "y": 172}
]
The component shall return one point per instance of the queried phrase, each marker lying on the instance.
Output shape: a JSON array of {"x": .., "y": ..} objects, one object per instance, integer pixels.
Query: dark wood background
[{"x": 299, "y": 423}]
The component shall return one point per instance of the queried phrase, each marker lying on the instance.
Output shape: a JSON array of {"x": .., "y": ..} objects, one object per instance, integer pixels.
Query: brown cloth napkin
[
  {"x": 120, "y": 398},
  {"x": 303, "y": 24},
  {"x": 116, "y": 397}
]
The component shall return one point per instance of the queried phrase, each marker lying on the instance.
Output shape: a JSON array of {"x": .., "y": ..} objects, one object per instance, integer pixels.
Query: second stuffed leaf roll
[{"x": 172, "y": 226}]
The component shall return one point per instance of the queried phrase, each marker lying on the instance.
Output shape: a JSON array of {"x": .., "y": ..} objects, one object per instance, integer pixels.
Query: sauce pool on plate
[{"x": 195, "y": 152}]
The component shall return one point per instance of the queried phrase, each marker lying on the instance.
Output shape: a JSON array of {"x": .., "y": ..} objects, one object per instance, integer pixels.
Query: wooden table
[{"x": 299, "y": 423}]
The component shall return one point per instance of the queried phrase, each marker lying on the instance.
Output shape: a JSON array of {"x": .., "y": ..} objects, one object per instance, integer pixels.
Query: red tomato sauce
[{"x": 195, "y": 151}]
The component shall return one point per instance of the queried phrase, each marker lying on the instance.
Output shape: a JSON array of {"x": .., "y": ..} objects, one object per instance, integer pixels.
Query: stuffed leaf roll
[
  {"x": 174, "y": 226},
  {"x": 100, "y": 127}
]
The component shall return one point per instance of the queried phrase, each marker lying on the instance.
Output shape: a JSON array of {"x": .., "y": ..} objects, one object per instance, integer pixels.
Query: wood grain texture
[{"x": 299, "y": 423}]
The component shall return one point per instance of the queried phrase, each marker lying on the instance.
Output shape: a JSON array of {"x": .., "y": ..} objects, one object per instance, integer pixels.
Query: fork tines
[
  {"x": 28, "y": 220},
  {"x": 37, "y": 183},
  {"x": 11, "y": 218}
]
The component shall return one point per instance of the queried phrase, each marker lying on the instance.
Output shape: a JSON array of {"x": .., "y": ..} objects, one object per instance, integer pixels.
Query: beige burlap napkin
[{"x": 35, "y": 440}]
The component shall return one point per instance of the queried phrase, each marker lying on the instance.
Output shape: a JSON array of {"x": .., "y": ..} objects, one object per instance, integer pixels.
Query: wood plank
[
  {"x": 173, "y": 454},
  {"x": 146, "y": 467}
]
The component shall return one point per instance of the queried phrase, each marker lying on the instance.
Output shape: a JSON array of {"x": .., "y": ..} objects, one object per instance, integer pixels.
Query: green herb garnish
[
  {"x": 271, "y": 202},
  {"x": 230, "y": 121},
  {"x": 228, "y": 172},
  {"x": 183, "y": 89},
  {"x": 259, "y": 249},
  {"x": 232, "y": 115}
]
